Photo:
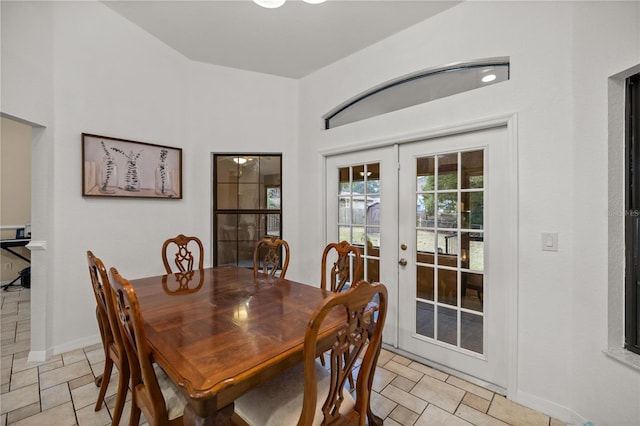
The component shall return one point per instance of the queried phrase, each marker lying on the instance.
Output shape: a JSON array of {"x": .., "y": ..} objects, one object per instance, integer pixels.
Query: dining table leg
[{"x": 204, "y": 413}]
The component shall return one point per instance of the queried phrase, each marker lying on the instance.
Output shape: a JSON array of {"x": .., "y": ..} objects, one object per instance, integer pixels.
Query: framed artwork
[{"x": 113, "y": 167}]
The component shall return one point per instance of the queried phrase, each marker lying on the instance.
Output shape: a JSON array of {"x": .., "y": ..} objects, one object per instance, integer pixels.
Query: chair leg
[
  {"x": 123, "y": 387},
  {"x": 134, "y": 419},
  {"x": 106, "y": 374}
]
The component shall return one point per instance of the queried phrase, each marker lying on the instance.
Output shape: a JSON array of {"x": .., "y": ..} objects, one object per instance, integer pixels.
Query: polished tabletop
[{"x": 219, "y": 331}]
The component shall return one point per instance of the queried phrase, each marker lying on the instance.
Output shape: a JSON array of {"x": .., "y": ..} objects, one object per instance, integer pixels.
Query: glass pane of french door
[
  {"x": 359, "y": 215},
  {"x": 449, "y": 248}
]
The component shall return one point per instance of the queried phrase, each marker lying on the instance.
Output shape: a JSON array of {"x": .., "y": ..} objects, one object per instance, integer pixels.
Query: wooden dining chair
[
  {"x": 266, "y": 256},
  {"x": 114, "y": 350},
  {"x": 182, "y": 248},
  {"x": 309, "y": 394},
  {"x": 153, "y": 393},
  {"x": 340, "y": 271}
]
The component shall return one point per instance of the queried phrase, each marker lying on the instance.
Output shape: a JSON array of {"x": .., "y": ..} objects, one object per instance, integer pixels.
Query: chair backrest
[
  {"x": 184, "y": 258},
  {"x": 143, "y": 376},
  {"x": 267, "y": 252},
  {"x": 106, "y": 312},
  {"x": 361, "y": 335},
  {"x": 340, "y": 270}
]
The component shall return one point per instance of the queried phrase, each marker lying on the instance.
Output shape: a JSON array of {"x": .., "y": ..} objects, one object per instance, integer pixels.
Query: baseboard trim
[
  {"x": 549, "y": 408},
  {"x": 43, "y": 356}
]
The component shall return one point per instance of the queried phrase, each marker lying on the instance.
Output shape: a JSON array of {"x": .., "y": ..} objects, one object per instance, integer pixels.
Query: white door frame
[{"x": 510, "y": 122}]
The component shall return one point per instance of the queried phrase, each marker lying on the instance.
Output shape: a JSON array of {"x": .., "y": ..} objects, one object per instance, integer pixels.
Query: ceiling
[{"x": 291, "y": 41}]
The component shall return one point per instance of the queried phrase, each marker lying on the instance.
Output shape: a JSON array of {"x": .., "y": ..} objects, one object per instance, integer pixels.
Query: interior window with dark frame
[
  {"x": 247, "y": 195},
  {"x": 632, "y": 215}
]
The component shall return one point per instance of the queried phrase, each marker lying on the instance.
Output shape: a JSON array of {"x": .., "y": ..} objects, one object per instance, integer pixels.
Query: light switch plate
[{"x": 549, "y": 241}]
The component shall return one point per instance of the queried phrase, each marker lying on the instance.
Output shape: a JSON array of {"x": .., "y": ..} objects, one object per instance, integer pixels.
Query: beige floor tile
[
  {"x": 475, "y": 402},
  {"x": 5, "y": 371},
  {"x": 429, "y": 371},
  {"x": 382, "y": 378},
  {"x": 87, "y": 416},
  {"x": 22, "y": 363},
  {"x": 24, "y": 378},
  {"x": 62, "y": 415},
  {"x": 85, "y": 395},
  {"x": 401, "y": 360},
  {"x": 515, "y": 414},
  {"x": 470, "y": 387},
  {"x": 476, "y": 417},
  {"x": 54, "y": 396},
  {"x": 64, "y": 374},
  {"x": 8, "y": 329},
  {"x": 73, "y": 357},
  {"x": 51, "y": 364},
  {"x": 23, "y": 413},
  {"x": 556, "y": 422},
  {"x": 403, "y": 415},
  {"x": 95, "y": 356},
  {"x": 439, "y": 393},
  {"x": 23, "y": 325},
  {"x": 384, "y": 357},
  {"x": 390, "y": 422},
  {"x": 98, "y": 368},
  {"x": 10, "y": 308},
  {"x": 403, "y": 370},
  {"x": 3, "y": 419},
  {"x": 16, "y": 348},
  {"x": 434, "y": 416},
  {"x": 94, "y": 347},
  {"x": 81, "y": 381},
  {"x": 381, "y": 406},
  {"x": 406, "y": 399},
  {"x": 23, "y": 336},
  {"x": 403, "y": 383},
  {"x": 19, "y": 398}
]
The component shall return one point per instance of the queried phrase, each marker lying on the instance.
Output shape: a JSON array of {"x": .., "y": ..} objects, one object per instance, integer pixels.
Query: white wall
[
  {"x": 561, "y": 56},
  {"x": 109, "y": 77}
]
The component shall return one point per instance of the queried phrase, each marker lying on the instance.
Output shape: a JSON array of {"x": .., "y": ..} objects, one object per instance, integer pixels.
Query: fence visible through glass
[{"x": 359, "y": 215}]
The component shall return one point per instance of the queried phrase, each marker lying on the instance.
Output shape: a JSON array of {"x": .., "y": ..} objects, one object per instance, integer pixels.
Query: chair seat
[
  {"x": 279, "y": 401},
  {"x": 173, "y": 398}
]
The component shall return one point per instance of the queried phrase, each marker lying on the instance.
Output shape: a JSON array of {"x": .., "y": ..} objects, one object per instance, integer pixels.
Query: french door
[{"x": 432, "y": 220}]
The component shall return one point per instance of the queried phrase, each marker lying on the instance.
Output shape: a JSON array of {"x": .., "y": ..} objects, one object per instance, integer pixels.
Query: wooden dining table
[{"x": 218, "y": 332}]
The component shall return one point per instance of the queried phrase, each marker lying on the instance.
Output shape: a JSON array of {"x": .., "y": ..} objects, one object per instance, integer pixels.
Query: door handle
[{"x": 403, "y": 262}]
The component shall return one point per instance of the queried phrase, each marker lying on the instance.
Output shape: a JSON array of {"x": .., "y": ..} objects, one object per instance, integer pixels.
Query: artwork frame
[{"x": 121, "y": 168}]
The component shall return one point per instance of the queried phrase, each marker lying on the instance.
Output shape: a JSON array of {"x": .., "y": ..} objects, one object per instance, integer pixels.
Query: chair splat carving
[
  {"x": 339, "y": 272},
  {"x": 271, "y": 260},
  {"x": 184, "y": 258}
]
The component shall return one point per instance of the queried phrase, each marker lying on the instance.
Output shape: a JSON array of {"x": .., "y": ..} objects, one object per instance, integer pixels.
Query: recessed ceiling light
[
  {"x": 270, "y": 4},
  {"x": 489, "y": 77}
]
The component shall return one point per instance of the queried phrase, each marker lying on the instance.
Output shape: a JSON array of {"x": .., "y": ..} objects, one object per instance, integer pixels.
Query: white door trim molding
[{"x": 470, "y": 126}]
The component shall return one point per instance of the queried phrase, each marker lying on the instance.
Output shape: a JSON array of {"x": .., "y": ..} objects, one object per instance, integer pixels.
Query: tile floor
[{"x": 62, "y": 392}]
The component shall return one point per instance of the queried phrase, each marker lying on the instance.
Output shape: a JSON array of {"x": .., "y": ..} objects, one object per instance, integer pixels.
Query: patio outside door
[{"x": 434, "y": 216}]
